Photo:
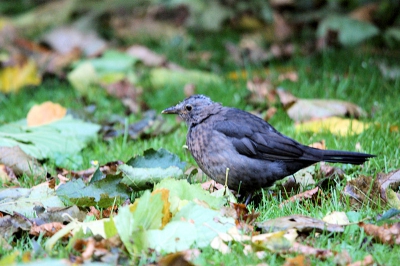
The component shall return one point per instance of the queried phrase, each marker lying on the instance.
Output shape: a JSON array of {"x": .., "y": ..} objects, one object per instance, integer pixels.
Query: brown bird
[{"x": 256, "y": 154}]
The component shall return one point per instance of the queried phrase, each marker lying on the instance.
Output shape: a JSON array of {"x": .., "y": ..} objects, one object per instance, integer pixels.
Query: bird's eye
[{"x": 188, "y": 107}]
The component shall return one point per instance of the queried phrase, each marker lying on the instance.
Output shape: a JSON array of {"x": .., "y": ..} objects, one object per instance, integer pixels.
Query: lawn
[{"x": 345, "y": 74}]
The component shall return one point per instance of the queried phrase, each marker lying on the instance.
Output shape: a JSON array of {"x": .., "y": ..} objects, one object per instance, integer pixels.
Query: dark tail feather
[{"x": 345, "y": 157}]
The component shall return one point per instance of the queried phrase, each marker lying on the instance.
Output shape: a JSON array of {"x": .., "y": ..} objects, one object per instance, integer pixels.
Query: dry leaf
[
  {"x": 175, "y": 259},
  {"x": 66, "y": 39},
  {"x": 367, "y": 261},
  {"x": 166, "y": 212},
  {"x": 13, "y": 78},
  {"x": 362, "y": 190},
  {"x": 144, "y": 54},
  {"x": 299, "y": 260},
  {"x": 319, "y": 145},
  {"x": 127, "y": 92},
  {"x": 308, "y": 250},
  {"x": 334, "y": 125},
  {"x": 45, "y": 113},
  {"x": 307, "y": 109},
  {"x": 336, "y": 217},
  {"x": 365, "y": 12},
  {"x": 20, "y": 162},
  {"x": 386, "y": 234},
  {"x": 262, "y": 91},
  {"x": 7, "y": 174},
  {"x": 47, "y": 230},
  {"x": 390, "y": 180},
  {"x": 300, "y": 222},
  {"x": 309, "y": 194}
]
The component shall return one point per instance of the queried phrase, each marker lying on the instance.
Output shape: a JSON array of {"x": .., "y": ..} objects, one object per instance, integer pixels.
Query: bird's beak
[{"x": 171, "y": 110}]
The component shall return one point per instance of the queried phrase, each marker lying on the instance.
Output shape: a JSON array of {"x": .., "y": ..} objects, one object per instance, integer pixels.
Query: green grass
[{"x": 350, "y": 75}]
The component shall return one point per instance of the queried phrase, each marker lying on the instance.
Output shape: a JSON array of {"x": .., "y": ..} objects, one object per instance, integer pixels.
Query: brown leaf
[
  {"x": 7, "y": 175},
  {"x": 299, "y": 260},
  {"x": 307, "y": 109},
  {"x": 20, "y": 162},
  {"x": 367, "y": 261},
  {"x": 148, "y": 57},
  {"x": 262, "y": 91},
  {"x": 309, "y": 194},
  {"x": 127, "y": 92},
  {"x": 390, "y": 180},
  {"x": 300, "y": 222},
  {"x": 47, "y": 230},
  {"x": 308, "y": 250},
  {"x": 244, "y": 219},
  {"x": 365, "y": 12},
  {"x": 319, "y": 145},
  {"x": 282, "y": 27},
  {"x": 362, "y": 190},
  {"x": 175, "y": 259},
  {"x": 11, "y": 224},
  {"x": 66, "y": 39},
  {"x": 45, "y": 113},
  {"x": 386, "y": 234}
]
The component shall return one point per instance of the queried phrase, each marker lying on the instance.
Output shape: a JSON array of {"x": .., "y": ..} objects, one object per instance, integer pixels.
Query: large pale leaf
[
  {"x": 102, "y": 193},
  {"x": 181, "y": 190},
  {"x": 192, "y": 225},
  {"x": 24, "y": 200},
  {"x": 133, "y": 221},
  {"x": 65, "y": 136},
  {"x": 351, "y": 31},
  {"x": 160, "y": 158},
  {"x": 143, "y": 178}
]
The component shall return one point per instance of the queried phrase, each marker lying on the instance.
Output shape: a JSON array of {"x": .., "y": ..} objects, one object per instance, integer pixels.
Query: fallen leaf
[
  {"x": 389, "y": 180},
  {"x": 144, "y": 54},
  {"x": 364, "y": 12},
  {"x": 307, "y": 109},
  {"x": 174, "y": 259},
  {"x": 367, "y": 261},
  {"x": 67, "y": 38},
  {"x": 319, "y": 145},
  {"x": 300, "y": 223},
  {"x": 334, "y": 125},
  {"x": 308, "y": 250},
  {"x": 336, "y": 217},
  {"x": 262, "y": 91},
  {"x": 46, "y": 230},
  {"x": 299, "y": 260},
  {"x": 362, "y": 190},
  {"x": 20, "y": 162},
  {"x": 350, "y": 31},
  {"x": 7, "y": 174},
  {"x": 45, "y": 113},
  {"x": 13, "y": 78},
  {"x": 309, "y": 194},
  {"x": 386, "y": 234}
]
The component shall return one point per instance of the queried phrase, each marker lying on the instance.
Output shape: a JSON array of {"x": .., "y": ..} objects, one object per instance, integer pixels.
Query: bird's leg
[
  {"x": 248, "y": 198},
  {"x": 226, "y": 180}
]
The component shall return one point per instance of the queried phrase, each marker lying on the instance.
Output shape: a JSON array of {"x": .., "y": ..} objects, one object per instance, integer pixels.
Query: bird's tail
[{"x": 333, "y": 156}]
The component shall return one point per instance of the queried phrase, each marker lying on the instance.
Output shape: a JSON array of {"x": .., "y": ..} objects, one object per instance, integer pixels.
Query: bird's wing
[{"x": 253, "y": 137}]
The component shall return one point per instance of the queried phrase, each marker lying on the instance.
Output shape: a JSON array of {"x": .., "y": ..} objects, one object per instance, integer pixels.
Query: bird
[{"x": 256, "y": 154}]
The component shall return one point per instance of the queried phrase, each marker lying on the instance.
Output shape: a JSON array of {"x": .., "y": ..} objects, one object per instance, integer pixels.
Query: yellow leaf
[
  {"x": 164, "y": 197},
  {"x": 45, "y": 113},
  {"x": 335, "y": 125},
  {"x": 13, "y": 78}
]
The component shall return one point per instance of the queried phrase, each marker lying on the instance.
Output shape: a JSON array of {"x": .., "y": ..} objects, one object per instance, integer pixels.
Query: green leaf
[
  {"x": 162, "y": 77},
  {"x": 175, "y": 236},
  {"x": 103, "y": 193},
  {"x": 160, "y": 158},
  {"x": 24, "y": 200},
  {"x": 193, "y": 224},
  {"x": 181, "y": 190},
  {"x": 351, "y": 31},
  {"x": 132, "y": 223},
  {"x": 144, "y": 178},
  {"x": 65, "y": 136}
]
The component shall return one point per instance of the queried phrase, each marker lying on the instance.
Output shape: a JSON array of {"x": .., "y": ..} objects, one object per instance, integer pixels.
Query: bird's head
[{"x": 193, "y": 109}]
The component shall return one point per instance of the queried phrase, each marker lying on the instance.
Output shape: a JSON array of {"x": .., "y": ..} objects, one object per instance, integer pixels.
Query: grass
[{"x": 350, "y": 75}]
